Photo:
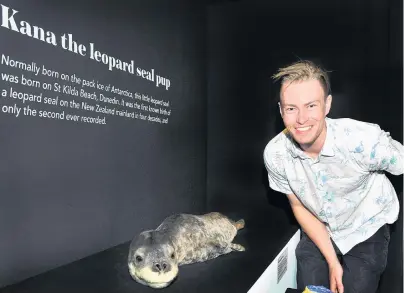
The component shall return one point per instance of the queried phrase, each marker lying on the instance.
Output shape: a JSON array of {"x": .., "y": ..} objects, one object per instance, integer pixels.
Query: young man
[{"x": 331, "y": 170}]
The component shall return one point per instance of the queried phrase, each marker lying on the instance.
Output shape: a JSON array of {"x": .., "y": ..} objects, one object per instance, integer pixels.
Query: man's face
[{"x": 303, "y": 109}]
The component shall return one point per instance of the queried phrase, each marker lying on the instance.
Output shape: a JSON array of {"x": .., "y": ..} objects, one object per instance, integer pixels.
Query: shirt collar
[{"x": 327, "y": 149}]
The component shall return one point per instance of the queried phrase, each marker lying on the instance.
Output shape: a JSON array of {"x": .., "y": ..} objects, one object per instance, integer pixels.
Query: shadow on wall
[
  {"x": 276, "y": 125},
  {"x": 278, "y": 200}
]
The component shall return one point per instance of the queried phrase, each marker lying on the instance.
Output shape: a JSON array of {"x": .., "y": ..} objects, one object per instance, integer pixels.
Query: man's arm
[
  {"x": 314, "y": 228},
  {"x": 382, "y": 152}
]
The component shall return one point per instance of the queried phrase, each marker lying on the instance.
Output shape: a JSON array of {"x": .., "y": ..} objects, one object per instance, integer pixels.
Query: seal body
[{"x": 155, "y": 255}]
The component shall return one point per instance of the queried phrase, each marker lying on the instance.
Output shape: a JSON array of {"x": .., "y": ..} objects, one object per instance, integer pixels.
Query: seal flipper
[
  {"x": 237, "y": 247},
  {"x": 240, "y": 224}
]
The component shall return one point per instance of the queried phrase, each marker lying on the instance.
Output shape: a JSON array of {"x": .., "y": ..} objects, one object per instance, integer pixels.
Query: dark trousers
[{"x": 362, "y": 265}]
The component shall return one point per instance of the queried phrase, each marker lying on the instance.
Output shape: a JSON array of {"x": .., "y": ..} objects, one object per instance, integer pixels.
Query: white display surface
[{"x": 281, "y": 273}]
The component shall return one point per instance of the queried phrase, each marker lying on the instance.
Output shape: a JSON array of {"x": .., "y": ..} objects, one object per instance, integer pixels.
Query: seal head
[{"x": 152, "y": 260}]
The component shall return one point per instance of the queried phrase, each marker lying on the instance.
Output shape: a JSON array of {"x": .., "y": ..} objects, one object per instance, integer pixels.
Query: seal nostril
[
  {"x": 164, "y": 265},
  {"x": 158, "y": 267}
]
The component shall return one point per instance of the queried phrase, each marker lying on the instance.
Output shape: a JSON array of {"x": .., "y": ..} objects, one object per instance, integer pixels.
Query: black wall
[
  {"x": 359, "y": 41},
  {"x": 70, "y": 189}
]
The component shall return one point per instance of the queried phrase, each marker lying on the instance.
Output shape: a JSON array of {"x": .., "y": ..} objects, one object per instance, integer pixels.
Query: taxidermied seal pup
[{"x": 155, "y": 255}]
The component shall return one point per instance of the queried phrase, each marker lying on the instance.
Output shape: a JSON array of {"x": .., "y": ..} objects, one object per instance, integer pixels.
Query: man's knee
[
  {"x": 309, "y": 258},
  {"x": 306, "y": 249}
]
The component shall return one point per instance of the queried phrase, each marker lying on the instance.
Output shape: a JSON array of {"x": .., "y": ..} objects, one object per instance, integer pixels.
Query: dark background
[
  {"x": 71, "y": 190},
  {"x": 360, "y": 42}
]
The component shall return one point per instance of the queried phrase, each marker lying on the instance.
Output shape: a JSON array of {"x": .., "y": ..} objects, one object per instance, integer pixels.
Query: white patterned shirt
[{"x": 345, "y": 186}]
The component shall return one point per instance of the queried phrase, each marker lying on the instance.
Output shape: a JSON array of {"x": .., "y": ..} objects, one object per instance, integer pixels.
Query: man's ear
[
  {"x": 328, "y": 103},
  {"x": 280, "y": 108}
]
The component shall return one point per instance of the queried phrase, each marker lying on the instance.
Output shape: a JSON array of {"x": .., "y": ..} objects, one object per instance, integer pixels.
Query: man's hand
[
  {"x": 318, "y": 233},
  {"x": 336, "y": 272}
]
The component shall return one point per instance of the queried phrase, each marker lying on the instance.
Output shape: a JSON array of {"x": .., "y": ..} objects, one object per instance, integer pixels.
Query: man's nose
[{"x": 302, "y": 117}]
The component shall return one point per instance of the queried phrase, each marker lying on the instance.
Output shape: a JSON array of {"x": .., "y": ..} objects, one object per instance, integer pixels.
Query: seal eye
[
  {"x": 139, "y": 258},
  {"x": 173, "y": 255}
]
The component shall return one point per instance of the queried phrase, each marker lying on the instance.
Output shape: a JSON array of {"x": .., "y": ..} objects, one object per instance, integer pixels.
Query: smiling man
[{"x": 332, "y": 171}]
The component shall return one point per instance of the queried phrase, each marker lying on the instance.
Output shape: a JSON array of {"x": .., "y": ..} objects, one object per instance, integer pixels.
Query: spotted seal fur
[{"x": 155, "y": 255}]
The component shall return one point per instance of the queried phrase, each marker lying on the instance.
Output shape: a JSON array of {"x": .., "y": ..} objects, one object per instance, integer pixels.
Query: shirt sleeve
[
  {"x": 276, "y": 175},
  {"x": 382, "y": 152}
]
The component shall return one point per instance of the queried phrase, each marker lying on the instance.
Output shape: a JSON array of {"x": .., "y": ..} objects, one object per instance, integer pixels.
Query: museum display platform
[{"x": 264, "y": 236}]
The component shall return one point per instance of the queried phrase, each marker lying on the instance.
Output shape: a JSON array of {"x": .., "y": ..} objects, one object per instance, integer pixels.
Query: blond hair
[{"x": 304, "y": 70}]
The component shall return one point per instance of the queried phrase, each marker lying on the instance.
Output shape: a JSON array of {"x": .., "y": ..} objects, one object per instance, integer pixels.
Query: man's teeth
[{"x": 304, "y": 128}]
